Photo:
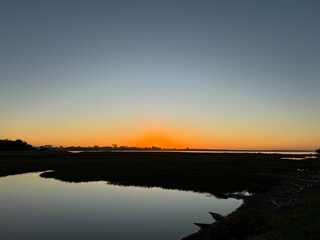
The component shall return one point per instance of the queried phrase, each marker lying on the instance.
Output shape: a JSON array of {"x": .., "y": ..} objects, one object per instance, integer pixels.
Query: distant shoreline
[
  {"x": 302, "y": 152},
  {"x": 179, "y": 149}
]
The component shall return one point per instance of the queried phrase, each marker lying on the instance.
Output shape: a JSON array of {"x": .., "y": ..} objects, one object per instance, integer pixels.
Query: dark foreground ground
[{"x": 285, "y": 204}]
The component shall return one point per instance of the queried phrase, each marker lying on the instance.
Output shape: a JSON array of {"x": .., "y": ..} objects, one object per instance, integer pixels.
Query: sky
[{"x": 197, "y": 74}]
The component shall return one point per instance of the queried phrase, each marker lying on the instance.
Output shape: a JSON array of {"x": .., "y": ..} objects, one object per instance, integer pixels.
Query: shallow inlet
[{"x": 36, "y": 208}]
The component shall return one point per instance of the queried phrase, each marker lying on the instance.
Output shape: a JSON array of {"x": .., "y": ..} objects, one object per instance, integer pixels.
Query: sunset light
[{"x": 134, "y": 76}]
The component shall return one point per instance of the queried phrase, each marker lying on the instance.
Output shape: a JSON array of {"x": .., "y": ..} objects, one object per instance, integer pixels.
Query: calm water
[{"x": 32, "y": 207}]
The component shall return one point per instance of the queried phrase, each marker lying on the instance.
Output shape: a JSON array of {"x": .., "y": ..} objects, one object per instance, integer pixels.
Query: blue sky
[{"x": 238, "y": 74}]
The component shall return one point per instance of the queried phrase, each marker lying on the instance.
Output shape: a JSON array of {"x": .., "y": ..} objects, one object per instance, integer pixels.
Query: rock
[
  {"x": 216, "y": 216},
  {"x": 202, "y": 225}
]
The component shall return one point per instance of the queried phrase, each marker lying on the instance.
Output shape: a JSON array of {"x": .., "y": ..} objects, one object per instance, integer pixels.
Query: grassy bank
[{"x": 301, "y": 222}]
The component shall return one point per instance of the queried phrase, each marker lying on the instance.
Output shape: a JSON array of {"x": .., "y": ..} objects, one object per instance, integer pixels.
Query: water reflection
[
  {"x": 36, "y": 208},
  {"x": 299, "y": 158}
]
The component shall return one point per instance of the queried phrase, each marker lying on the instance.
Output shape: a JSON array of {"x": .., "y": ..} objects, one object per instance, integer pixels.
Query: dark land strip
[{"x": 283, "y": 190}]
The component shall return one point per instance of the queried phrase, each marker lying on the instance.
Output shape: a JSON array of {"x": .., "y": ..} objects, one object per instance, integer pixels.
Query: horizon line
[{"x": 180, "y": 149}]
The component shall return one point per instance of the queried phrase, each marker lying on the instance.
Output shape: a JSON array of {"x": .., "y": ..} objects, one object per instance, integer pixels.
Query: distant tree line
[
  {"x": 17, "y": 145},
  {"x": 318, "y": 151}
]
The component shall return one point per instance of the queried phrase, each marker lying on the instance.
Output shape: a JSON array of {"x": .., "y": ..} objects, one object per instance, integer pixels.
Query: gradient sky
[{"x": 197, "y": 74}]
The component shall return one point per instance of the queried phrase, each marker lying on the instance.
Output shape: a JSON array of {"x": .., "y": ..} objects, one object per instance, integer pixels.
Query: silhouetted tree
[
  {"x": 17, "y": 145},
  {"x": 318, "y": 152}
]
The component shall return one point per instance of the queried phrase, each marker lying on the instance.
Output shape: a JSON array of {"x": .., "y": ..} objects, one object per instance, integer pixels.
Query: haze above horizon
[{"x": 173, "y": 74}]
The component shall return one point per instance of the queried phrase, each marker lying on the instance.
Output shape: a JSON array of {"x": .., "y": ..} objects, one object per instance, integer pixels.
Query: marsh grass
[
  {"x": 300, "y": 223},
  {"x": 213, "y": 173}
]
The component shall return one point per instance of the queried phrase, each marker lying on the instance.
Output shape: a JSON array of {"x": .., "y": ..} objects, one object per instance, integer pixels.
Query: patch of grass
[
  {"x": 303, "y": 222},
  {"x": 239, "y": 225}
]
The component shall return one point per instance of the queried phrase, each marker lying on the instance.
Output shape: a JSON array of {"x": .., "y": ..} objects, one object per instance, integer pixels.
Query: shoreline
[{"x": 279, "y": 200}]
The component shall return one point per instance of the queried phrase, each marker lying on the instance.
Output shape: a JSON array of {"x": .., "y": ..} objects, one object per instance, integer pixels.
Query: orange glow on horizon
[
  {"x": 164, "y": 141},
  {"x": 157, "y": 140},
  {"x": 163, "y": 136}
]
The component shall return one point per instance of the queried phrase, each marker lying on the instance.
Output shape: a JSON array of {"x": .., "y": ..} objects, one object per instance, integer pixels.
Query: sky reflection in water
[{"x": 35, "y": 208}]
